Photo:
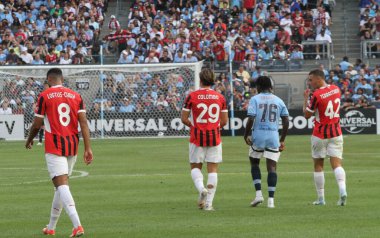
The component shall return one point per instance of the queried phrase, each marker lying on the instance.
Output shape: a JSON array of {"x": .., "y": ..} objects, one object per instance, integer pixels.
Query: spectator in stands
[
  {"x": 190, "y": 58},
  {"x": 25, "y": 56},
  {"x": 127, "y": 106},
  {"x": 362, "y": 84},
  {"x": 283, "y": 37},
  {"x": 5, "y": 109},
  {"x": 243, "y": 75},
  {"x": 179, "y": 57},
  {"x": 37, "y": 60},
  {"x": 344, "y": 63},
  {"x": 113, "y": 24},
  {"x": 3, "y": 56},
  {"x": 321, "y": 19},
  {"x": 165, "y": 57},
  {"x": 125, "y": 58},
  {"x": 324, "y": 39},
  {"x": 151, "y": 58}
]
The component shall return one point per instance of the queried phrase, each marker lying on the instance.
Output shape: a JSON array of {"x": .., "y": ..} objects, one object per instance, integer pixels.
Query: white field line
[
  {"x": 84, "y": 174},
  {"x": 237, "y": 173},
  {"x": 81, "y": 175}
]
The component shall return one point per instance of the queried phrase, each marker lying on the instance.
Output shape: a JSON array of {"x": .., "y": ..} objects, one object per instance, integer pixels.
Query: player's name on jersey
[
  {"x": 328, "y": 94},
  {"x": 60, "y": 94},
  {"x": 208, "y": 96}
]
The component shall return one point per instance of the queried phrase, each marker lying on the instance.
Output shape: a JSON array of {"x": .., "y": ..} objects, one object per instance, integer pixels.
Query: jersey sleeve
[
  {"x": 313, "y": 103},
  {"x": 224, "y": 104},
  {"x": 40, "y": 107},
  {"x": 252, "y": 108},
  {"x": 82, "y": 107},
  {"x": 187, "y": 103}
]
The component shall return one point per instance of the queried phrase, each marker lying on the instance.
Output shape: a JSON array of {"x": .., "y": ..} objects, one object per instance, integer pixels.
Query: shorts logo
[{"x": 355, "y": 122}]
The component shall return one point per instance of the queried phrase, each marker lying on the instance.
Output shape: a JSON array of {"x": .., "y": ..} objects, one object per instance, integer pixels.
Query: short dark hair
[
  {"x": 207, "y": 77},
  {"x": 54, "y": 72},
  {"x": 318, "y": 73},
  {"x": 264, "y": 83}
]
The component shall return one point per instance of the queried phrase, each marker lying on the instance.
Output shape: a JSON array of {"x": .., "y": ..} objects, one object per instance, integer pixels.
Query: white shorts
[
  {"x": 269, "y": 153},
  {"x": 210, "y": 154},
  {"x": 60, "y": 165},
  {"x": 320, "y": 148}
]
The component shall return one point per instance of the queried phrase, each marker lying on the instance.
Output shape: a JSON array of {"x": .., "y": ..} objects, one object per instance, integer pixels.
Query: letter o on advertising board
[{"x": 300, "y": 122}]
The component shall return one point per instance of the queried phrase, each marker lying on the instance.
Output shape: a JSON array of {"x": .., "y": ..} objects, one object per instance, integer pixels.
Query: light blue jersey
[{"x": 267, "y": 109}]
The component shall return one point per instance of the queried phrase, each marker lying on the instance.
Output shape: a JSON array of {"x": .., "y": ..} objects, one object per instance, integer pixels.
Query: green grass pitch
[{"x": 142, "y": 188}]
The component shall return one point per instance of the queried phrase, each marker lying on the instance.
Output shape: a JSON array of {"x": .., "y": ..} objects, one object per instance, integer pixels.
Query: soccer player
[
  {"x": 209, "y": 114},
  {"x": 61, "y": 109},
  {"x": 327, "y": 137},
  {"x": 264, "y": 111}
]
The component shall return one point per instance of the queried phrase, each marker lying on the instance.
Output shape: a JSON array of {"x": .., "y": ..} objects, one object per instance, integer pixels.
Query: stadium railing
[{"x": 369, "y": 53}]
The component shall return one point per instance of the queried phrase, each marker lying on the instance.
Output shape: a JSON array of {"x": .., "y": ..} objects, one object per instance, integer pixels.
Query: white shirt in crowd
[
  {"x": 323, "y": 38},
  {"x": 27, "y": 58},
  {"x": 7, "y": 111}
]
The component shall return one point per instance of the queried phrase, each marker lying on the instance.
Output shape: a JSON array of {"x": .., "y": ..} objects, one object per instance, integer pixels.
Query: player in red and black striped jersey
[
  {"x": 205, "y": 112},
  {"x": 61, "y": 110},
  {"x": 327, "y": 140}
]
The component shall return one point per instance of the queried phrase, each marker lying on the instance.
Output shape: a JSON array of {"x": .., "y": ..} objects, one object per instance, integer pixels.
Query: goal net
[{"x": 121, "y": 100}]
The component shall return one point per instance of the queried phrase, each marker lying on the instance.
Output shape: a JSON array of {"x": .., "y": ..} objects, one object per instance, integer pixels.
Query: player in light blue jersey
[{"x": 265, "y": 111}]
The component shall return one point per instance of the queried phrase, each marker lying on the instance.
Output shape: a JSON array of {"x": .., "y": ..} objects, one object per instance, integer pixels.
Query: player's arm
[
  {"x": 186, "y": 110},
  {"x": 88, "y": 157},
  {"x": 33, "y": 131},
  {"x": 307, "y": 112},
  {"x": 223, "y": 118},
  {"x": 285, "y": 127},
  {"x": 248, "y": 130},
  {"x": 185, "y": 115}
]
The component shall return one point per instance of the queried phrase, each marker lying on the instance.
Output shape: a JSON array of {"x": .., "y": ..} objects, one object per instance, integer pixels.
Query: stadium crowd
[
  {"x": 249, "y": 30},
  {"x": 68, "y": 32},
  {"x": 63, "y": 32},
  {"x": 370, "y": 25},
  {"x": 39, "y": 32}
]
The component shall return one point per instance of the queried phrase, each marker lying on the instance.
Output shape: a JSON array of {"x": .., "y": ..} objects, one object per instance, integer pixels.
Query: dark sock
[
  {"x": 256, "y": 176},
  {"x": 272, "y": 181}
]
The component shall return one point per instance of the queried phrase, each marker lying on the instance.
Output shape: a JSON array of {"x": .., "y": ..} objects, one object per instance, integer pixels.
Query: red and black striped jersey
[
  {"x": 325, "y": 104},
  {"x": 60, "y": 106},
  {"x": 205, "y": 105}
]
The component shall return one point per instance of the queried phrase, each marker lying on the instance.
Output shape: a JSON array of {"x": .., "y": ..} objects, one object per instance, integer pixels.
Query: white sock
[
  {"x": 319, "y": 180},
  {"x": 197, "y": 177},
  {"x": 259, "y": 193},
  {"x": 56, "y": 209},
  {"x": 69, "y": 204},
  {"x": 212, "y": 182},
  {"x": 340, "y": 176}
]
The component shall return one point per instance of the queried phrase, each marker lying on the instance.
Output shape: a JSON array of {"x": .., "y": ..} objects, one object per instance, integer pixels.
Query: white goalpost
[{"x": 139, "y": 100}]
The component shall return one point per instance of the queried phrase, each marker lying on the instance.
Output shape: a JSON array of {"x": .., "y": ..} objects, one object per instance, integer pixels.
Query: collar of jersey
[
  {"x": 57, "y": 86},
  {"x": 327, "y": 85}
]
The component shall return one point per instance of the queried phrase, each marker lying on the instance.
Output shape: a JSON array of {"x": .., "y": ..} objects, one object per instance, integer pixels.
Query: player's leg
[
  {"x": 319, "y": 181},
  {"x": 213, "y": 158},
  {"x": 60, "y": 168},
  {"x": 254, "y": 158},
  {"x": 212, "y": 182},
  {"x": 196, "y": 157},
  {"x": 56, "y": 209},
  {"x": 318, "y": 153},
  {"x": 335, "y": 151},
  {"x": 272, "y": 156}
]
